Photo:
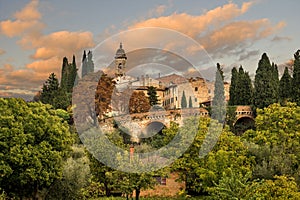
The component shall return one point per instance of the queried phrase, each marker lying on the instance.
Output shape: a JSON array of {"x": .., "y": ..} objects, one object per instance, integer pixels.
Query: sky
[{"x": 35, "y": 35}]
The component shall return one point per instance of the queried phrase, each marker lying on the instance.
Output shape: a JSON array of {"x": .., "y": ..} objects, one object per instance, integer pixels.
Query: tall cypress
[
  {"x": 84, "y": 68},
  {"x": 90, "y": 63},
  {"x": 244, "y": 88},
  {"x": 183, "y": 100},
  {"x": 265, "y": 92},
  {"x": 285, "y": 86},
  {"x": 64, "y": 73},
  {"x": 296, "y": 78},
  {"x": 218, "y": 102},
  {"x": 190, "y": 102},
  {"x": 233, "y": 87}
]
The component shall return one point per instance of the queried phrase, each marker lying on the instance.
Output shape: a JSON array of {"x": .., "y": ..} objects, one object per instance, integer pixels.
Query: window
[{"x": 196, "y": 89}]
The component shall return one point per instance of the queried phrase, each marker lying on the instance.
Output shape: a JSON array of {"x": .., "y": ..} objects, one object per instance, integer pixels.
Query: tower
[{"x": 120, "y": 62}]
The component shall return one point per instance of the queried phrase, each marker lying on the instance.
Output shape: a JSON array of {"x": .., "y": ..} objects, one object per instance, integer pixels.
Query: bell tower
[{"x": 120, "y": 62}]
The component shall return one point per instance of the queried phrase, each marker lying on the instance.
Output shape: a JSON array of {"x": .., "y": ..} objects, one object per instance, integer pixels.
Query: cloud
[
  {"x": 248, "y": 54},
  {"x": 29, "y": 12},
  {"x": 2, "y": 51},
  {"x": 280, "y": 38},
  {"x": 26, "y": 22},
  {"x": 217, "y": 30},
  {"x": 194, "y": 25},
  {"x": 49, "y": 49},
  {"x": 158, "y": 11}
]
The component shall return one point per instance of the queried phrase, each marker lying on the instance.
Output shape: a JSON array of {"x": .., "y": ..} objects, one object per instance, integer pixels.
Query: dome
[{"x": 120, "y": 52}]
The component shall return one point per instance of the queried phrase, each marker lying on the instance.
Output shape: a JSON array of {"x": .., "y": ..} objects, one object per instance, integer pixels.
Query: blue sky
[{"x": 36, "y": 35}]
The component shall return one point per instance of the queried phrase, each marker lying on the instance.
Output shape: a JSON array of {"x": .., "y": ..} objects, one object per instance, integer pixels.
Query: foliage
[
  {"x": 68, "y": 75},
  {"x": 265, "y": 83},
  {"x": 235, "y": 186},
  {"x": 233, "y": 87},
  {"x": 34, "y": 141},
  {"x": 280, "y": 188},
  {"x": 245, "y": 90},
  {"x": 229, "y": 154},
  {"x": 183, "y": 100},
  {"x": 138, "y": 103},
  {"x": 103, "y": 94},
  {"x": 53, "y": 94},
  {"x": 152, "y": 95},
  {"x": 190, "y": 102},
  {"x": 285, "y": 87},
  {"x": 296, "y": 78},
  {"x": 87, "y": 64},
  {"x": 76, "y": 174},
  {"x": 276, "y": 141},
  {"x": 218, "y": 103}
]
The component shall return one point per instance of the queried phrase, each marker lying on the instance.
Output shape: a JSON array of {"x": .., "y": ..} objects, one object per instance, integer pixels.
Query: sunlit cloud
[
  {"x": 49, "y": 49},
  {"x": 2, "y": 51}
]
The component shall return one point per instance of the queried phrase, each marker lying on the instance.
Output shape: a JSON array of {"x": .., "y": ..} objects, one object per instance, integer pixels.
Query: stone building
[{"x": 171, "y": 88}]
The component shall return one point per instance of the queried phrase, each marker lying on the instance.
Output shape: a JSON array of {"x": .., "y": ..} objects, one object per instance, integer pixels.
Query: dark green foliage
[
  {"x": 266, "y": 83},
  {"x": 233, "y": 87},
  {"x": 90, "y": 63},
  {"x": 34, "y": 141},
  {"x": 276, "y": 142},
  {"x": 152, "y": 95},
  {"x": 244, "y": 89},
  {"x": 285, "y": 87},
  {"x": 190, "y": 102},
  {"x": 87, "y": 64},
  {"x": 54, "y": 95},
  {"x": 183, "y": 100},
  {"x": 296, "y": 78},
  {"x": 84, "y": 67},
  {"x": 218, "y": 103}
]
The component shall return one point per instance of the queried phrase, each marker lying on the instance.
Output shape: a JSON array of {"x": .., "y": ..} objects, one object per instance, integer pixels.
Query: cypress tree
[
  {"x": 49, "y": 90},
  {"x": 285, "y": 86},
  {"x": 233, "y": 87},
  {"x": 152, "y": 95},
  {"x": 183, "y": 100},
  {"x": 190, "y": 102},
  {"x": 265, "y": 92},
  {"x": 73, "y": 74},
  {"x": 64, "y": 73},
  {"x": 218, "y": 102},
  {"x": 84, "y": 68},
  {"x": 90, "y": 63},
  {"x": 296, "y": 78},
  {"x": 244, "y": 88}
]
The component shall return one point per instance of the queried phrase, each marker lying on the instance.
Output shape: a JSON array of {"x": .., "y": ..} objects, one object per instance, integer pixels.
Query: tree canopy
[{"x": 34, "y": 141}]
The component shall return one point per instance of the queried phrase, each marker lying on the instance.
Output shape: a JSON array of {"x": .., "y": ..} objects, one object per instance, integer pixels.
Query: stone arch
[
  {"x": 243, "y": 123},
  {"x": 154, "y": 127}
]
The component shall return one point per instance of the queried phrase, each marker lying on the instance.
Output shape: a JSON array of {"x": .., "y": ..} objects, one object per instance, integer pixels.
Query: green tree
[
  {"x": 229, "y": 154},
  {"x": 276, "y": 141},
  {"x": 244, "y": 89},
  {"x": 90, "y": 63},
  {"x": 183, "y": 100},
  {"x": 265, "y": 83},
  {"x": 233, "y": 87},
  {"x": 34, "y": 141},
  {"x": 75, "y": 176},
  {"x": 68, "y": 75},
  {"x": 285, "y": 87},
  {"x": 296, "y": 78},
  {"x": 152, "y": 95},
  {"x": 218, "y": 102},
  {"x": 84, "y": 66},
  {"x": 190, "y": 102}
]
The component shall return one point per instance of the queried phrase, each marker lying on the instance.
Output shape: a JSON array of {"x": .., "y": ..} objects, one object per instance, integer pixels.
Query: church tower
[{"x": 120, "y": 62}]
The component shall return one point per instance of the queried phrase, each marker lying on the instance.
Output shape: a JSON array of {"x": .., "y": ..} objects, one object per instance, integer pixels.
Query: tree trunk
[
  {"x": 35, "y": 192},
  {"x": 137, "y": 194}
]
